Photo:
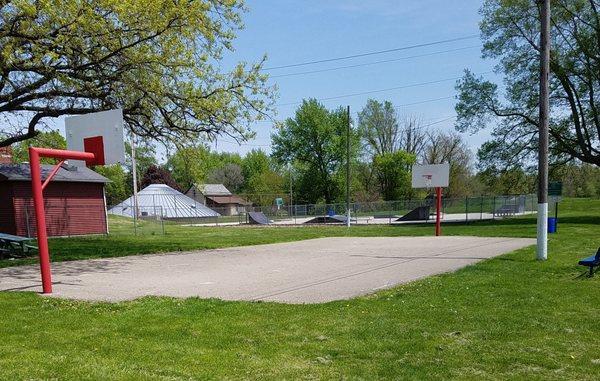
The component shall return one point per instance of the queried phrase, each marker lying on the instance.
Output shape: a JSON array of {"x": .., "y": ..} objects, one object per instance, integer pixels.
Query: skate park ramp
[
  {"x": 420, "y": 213},
  {"x": 337, "y": 219},
  {"x": 258, "y": 218}
]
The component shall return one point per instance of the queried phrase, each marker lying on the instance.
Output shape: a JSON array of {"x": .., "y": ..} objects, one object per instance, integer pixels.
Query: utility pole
[
  {"x": 134, "y": 174},
  {"x": 542, "y": 216},
  {"x": 291, "y": 193},
  {"x": 348, "y": 170}
]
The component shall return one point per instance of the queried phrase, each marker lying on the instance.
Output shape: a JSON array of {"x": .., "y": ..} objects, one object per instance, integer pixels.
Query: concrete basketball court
[{"x": 311, "y": 271}]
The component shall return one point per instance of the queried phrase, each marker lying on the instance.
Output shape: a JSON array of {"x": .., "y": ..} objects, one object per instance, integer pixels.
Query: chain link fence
[
  {"x": 82, "y": 219},
  {"x": 155, "y": 219}
]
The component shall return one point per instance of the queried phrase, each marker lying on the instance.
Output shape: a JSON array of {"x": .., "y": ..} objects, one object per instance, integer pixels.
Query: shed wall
[
  {"x": 71, "y": 209},
  {"x": 7, "y": 215}
]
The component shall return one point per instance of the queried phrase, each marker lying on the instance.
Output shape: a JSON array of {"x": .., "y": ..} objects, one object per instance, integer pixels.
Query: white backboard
[
  {"x": 104, "y": 128},
  {"x": 430, "y": 175}
]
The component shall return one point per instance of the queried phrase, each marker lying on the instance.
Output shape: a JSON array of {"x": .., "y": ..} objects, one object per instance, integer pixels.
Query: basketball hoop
[
  {"x": 92, "y": 139},
  {"x": 427, "y": 179},
  {"x": 432, "y": 176}
]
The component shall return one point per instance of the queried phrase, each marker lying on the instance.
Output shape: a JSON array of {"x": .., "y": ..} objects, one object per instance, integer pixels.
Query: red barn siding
[
  {"x": 7, "y": 215},
  {"x": 71, "y": 209}
]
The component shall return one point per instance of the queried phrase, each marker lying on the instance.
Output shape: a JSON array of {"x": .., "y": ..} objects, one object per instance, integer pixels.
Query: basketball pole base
[
  {"x": 438, "y": 211},
  {"x": 542, "y": 232}
]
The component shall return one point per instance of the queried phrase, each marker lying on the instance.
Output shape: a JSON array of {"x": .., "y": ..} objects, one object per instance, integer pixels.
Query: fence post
[
  {"x": 467, "y": 208},
  {"x": 481, "y": 210},
  {"x": 494, "y": 209},
  {"x": 162, "y": 220},
  {"x": 27, "y": 220}
]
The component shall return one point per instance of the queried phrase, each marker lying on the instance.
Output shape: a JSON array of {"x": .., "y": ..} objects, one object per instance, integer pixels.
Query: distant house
[
  {"x": 218, "y": 197},
  {"x": 5, "y": 155},
  {"x": 160, "y": 200},
  {"x": 74, "y": 201}
]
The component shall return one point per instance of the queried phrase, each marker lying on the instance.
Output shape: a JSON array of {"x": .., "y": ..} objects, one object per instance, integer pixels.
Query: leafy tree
[
  {"x": 259, "y": 177},
  {"x": 158, "y": 175},
  {"x": 507, "y": 181},
  {"x": 48, "y": 139},
  {"x": 314, "y": 141},
  {"x": 367, "y": 188},
  {"x": 145, "y": 157},
  {"x": 579, "y": 180},
  {"x": 192, "y": 164},
  {"x": 443, "y": 147},
  {"x": 265, "y": 183},
  {"x": 378, "y": 126},
  {"x": 393, "y": 170},
  {"x": 510, "y": 31},
  {"x": 229, "y": 175},
  {"x": 255, "y": 163},
  {"x": 158, "y": 60},
  {"x": 412, "y": 136},
  {"x": 117, "y": 189}
]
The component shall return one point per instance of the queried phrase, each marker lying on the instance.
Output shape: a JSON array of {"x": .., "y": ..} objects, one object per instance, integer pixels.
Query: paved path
[{"x": 311, "y": 271}]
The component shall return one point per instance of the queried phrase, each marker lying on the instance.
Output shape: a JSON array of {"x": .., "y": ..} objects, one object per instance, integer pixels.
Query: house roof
[
  {"x": 162, "y": 200},
  {"x": 22, "y": 172},
  {"x": 228, "y": 200},
  {"x": 213, "y": 189}
]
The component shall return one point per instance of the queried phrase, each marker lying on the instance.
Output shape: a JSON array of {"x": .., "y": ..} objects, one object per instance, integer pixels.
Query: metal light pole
[
  {"x": 134, "y": 175},
  {"x": 348, "y": 170},
  {"x": 542, "y": 217},
  {"x": 291, "y": 192}
]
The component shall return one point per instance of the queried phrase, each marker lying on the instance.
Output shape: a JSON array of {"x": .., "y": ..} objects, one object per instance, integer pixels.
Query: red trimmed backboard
[{"x": 100, "y": 133}]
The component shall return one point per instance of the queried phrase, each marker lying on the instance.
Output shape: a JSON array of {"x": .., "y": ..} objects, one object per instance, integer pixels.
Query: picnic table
[{"x": 15, "y": 246}]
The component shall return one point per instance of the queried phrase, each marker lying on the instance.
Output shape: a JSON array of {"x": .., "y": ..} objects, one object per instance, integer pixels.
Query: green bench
[{"x": 15, "y": 246}]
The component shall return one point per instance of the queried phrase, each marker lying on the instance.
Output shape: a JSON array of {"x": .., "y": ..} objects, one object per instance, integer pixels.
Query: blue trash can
[
  {"x": 330, "y": 212},
  {"x": 552, "y": 222}
]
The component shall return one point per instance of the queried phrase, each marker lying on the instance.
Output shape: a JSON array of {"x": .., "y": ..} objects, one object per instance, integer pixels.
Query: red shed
[{"x": 74, "y": 201}]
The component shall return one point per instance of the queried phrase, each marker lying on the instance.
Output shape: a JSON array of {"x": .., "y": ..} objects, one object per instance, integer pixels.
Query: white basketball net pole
[{"x": 542, "y": 216}]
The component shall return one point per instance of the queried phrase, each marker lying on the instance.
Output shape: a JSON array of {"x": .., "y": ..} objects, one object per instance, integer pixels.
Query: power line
[
  {"x": 425, "y": 101},
  {"x": 373, "y": 53},
  {"x": 372, "y": 63},
  {"x": 423, "y": 126},
  {"x": 379, "y": 90},
  {"x": 439, "y": 121},
  {"x": 245, "y": 144}
]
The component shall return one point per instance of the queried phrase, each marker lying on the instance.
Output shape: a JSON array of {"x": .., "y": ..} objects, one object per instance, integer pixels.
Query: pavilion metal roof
[{"x": 162, "y": 200}]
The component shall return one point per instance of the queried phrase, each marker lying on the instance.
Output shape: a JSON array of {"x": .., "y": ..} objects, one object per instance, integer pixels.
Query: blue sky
[{"x": 291, "y": 32}]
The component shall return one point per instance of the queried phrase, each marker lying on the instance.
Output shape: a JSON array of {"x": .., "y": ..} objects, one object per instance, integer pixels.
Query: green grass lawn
[{"x": 508, "y": 317}]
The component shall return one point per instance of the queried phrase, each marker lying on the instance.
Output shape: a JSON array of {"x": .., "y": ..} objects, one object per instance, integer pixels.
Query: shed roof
[
  {"x": 228, "y": 200},
  {"x": 213, "y": 189},
  {"x": 22, "y": 172},
  {"x": 163, "y": 201}
]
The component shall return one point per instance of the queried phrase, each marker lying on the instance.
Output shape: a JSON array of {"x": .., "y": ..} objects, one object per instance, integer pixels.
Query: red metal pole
[
  {"x": 38, "y": 203},
  {"x": 40, "y": 220},
  {"x": 51, "y": 175},
  {"x": 438, "y": 222}
]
